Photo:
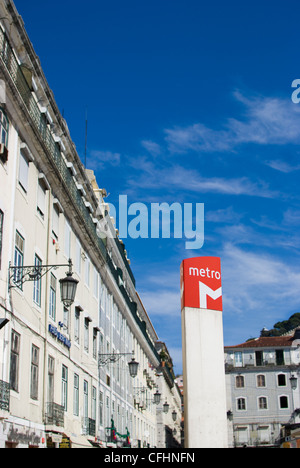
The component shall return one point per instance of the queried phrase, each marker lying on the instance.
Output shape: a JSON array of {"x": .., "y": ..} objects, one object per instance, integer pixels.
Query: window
[
  {"x": 95, "y": 331},
  {"x": 262, "y": 403},
  {"x": 96, "y": 283},
  {"x": 67, "y": 240},
  {"x": 101, "y": 344},
  {"x": 37, "y": 285},
  {"x": 77, "y": 325},
  {"x": 3, "y": 128},
  {"x": 41, "y": 200},
  {"x": 1, "y": 234},
  {"x": 66, "y": 319},
  {"x": 85, "y": 400},
  {"x": 55, "y": 221},
  {"x": 23, "y": 172},
  {"x": 101, "y": 408},
  {"x": 64, "y": 390},
  {"x": 76, "y": 395},
  {"x": 52, "y": 301},
  {"x": 34, "y": 373},
  {"x": 279, "y": 357},
  {"x": 240, "y": 381},
  {"x": 107, "y": 411},
  {"x": 261, "y": 380},
  {"x": 283, "y": 402},
  {"x": 281, "y": 380},
  {"x": 19, "y": 257},
  {"x": 78, "y": 257},
  {"x": 87, "y": 271},
  {"x": 94, "y": 406},
  {"x": 238, "y": 359},
  {"x": 259, "y": 358},
  {"x": 50, "y": 379},
  {"x": 86, "y": 334},
  {"x": 241, "y": 404},
  {"x": 14, "y": 361}
]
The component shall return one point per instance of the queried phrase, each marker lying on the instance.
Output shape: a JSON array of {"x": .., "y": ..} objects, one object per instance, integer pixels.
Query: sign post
[{"x": 203, "y": 353}]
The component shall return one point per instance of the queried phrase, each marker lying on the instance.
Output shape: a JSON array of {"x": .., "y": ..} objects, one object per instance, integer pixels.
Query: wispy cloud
[
  {"x": 282, "y": 166},
  {"x": 260, "y": 284},
  {"x": 99, "y": 159},
  {"x": 177, "y": 177},
  {"x": 224, "y": 215},
  {"x": 266, "y": 120},
  {"x": 153, "y": 148}
]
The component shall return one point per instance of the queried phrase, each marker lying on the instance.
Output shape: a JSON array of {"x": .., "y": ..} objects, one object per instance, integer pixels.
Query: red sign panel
[{"x": 201, "y": 284}]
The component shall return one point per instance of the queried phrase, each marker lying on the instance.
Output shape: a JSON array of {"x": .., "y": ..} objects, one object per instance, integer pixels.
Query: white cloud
[
  {"x": 282, "y": 166},
  {"x": 223, "y": 215},
  {"x": 266, "y": 121},
  {"x": 258, "y": 284},
  {"x": 152, "y": 147},
  {"x": 99, "y": 159},
  {"x": 179, "y": 178}
]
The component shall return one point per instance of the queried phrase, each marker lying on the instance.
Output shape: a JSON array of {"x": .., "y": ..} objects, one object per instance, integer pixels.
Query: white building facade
[
  {"x": 263, "y": 391},
  {"x": 64, "y": 371}
]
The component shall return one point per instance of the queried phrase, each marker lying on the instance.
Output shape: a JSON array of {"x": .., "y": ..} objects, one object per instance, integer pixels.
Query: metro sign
[{"x": 201, "y": 284}]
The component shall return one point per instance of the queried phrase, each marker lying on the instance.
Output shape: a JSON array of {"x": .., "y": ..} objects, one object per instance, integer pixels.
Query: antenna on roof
[{"x": 86, "y": 128}]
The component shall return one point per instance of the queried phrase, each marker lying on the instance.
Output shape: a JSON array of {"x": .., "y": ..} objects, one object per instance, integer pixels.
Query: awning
[{"x": 80, "y": 442}]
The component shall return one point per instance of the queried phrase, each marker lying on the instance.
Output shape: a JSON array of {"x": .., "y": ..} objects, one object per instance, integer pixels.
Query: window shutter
[
  {"x": 23, "y": 172},
  {"x": 55, "y": 221},
  {"x": 41, "y": 199}
]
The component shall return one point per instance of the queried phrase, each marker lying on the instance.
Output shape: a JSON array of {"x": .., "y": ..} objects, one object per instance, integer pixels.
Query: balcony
[
  {"x": 4, "y": 395},
  {"x": 9, "y": 63},
  {"x": 55, "y": 415},
  {"x": 89, "y": 427}
]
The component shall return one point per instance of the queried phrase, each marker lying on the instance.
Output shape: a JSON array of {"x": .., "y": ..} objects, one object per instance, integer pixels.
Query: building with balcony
[
  {"x": 262, "y": 388},
  {"x": 64, "y": 374},
  {"x": 169, "y": 410}
]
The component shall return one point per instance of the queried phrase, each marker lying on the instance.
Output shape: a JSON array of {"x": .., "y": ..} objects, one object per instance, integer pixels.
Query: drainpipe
[{"x": 45, "y": 367}]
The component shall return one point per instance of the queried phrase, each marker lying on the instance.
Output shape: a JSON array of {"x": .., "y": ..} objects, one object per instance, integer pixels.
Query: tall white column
[{"x": 203, "y": 354}]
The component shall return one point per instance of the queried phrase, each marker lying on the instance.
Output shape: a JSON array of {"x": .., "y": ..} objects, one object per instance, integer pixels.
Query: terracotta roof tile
[{"x": 266, "y": 342}]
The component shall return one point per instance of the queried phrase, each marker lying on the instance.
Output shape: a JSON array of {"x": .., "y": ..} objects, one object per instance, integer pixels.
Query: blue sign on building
[{"x": 63, "y": 339}]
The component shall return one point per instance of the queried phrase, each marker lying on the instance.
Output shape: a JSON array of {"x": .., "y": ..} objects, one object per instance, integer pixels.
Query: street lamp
[
  {"x": 18, "y": 275},
  {"x": 174, "y": 415},
  {"x": 157, "y": 397},
  {"x": 112, "y": 358},
  {"x": 294, "y": 382},
  {"x": 68, "y": 287},
  {"x": 166, "y": 407},
  {"x": 133, "y": 368}
]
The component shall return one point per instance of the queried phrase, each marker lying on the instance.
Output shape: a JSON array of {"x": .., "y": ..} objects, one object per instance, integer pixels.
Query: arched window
[
  {"x": 239, "y": 381},
  {"x": 261, "y": 380},
  {"x": 3, "y": 128},
  {"x": 241, "y": 404},
  {"x": 262, "y": 403}
]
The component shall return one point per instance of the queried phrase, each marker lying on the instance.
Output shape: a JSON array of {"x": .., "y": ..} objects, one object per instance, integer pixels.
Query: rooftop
[{"x": 270, "y": 341}]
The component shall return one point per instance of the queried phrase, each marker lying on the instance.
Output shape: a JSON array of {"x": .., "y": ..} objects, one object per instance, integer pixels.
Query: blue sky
[{"x": 189, "y": 101}]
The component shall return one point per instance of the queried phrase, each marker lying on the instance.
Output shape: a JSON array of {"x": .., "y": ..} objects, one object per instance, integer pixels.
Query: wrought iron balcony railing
[
  {"x": 55, "y": 414},
  {"x": 4, "y": 395},
  {"x": 52, "y": 147},
  {"x": 89, "y": 426},
  {"x": 11, "y": 65}
]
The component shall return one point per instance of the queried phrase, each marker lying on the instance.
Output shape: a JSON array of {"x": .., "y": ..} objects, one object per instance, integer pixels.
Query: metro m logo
[
  {"x": 201, "y": 283},
  {"x": 205, "y": 291}
]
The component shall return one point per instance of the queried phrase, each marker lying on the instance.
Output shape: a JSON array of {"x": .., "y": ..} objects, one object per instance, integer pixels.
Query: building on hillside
[
  {"x": 65, "y": 378},
  {"x": 263, "y": 392}
]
